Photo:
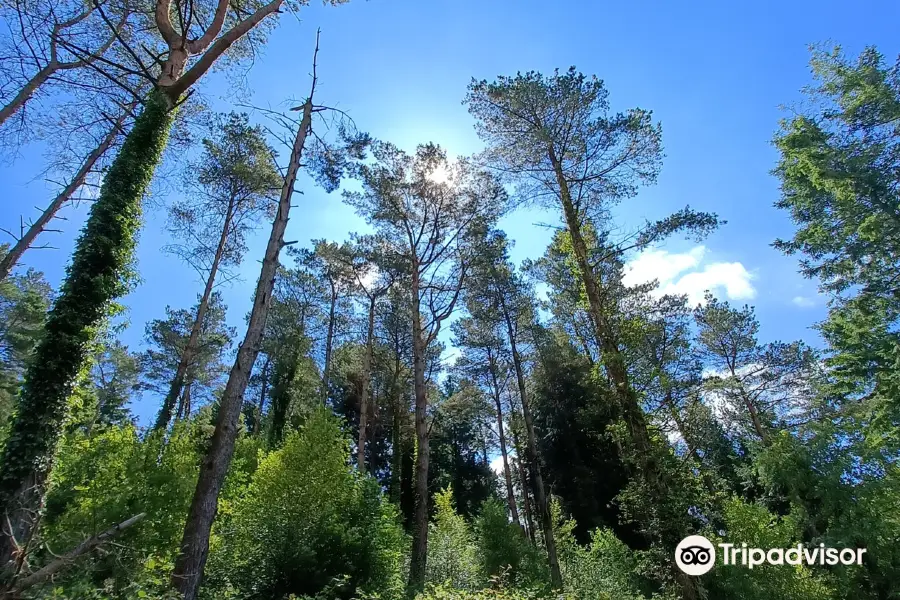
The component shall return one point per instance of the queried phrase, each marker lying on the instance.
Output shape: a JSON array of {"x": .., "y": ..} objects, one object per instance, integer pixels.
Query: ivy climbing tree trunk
[
  {"x": 103, "y": 253},
  {"x": 97, "y": 276}
]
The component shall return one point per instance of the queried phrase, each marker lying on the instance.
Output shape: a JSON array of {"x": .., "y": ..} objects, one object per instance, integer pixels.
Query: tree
[
  {"x": 556, "y": 137},
  {"x": 109, "y": 132},
  {"x": 233, "y": 182},
  {"x": 38, "y": 48},
  {"x": 194, "y": 547},
  {"x": 168, "y": 338},
  {"x": 760, "y": 389},
  {"x": 24, "y": 300},
  {"x": 395, "y": 330},
  {"x": 374, "y": 281},
  {"x": 839, "y": 173},
  {"x": 327, "y": 261},
  {"x": 304, "y": 498},
  {"x": 483, "y": 362},
  {"x": 572, "y": 414},
  {"x": 458, "y": 460},
  {"x": 104, "y": 251},
  {"x": 293, "y": 322},
  {"x": 425, "y": 207},
  {"x": 110, "y": 387},
  {"x": 503, "y": 290}
]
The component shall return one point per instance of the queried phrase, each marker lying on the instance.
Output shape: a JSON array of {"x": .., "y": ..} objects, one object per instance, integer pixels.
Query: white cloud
[
  {"x": 497, "y": 465},
  {"x": 803, "y": 302},
  {"x": 685, "y": 273}
]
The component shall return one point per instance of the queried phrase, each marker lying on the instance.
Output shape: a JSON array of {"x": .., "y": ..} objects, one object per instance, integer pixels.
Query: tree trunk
[
  {"x": 95, "y": 278},
  {"x": 165, "y": 413},
  {"x": 194, "y": 547},
  {"x": 70, "y": 557},
  {"x": 257, "y": 427},
  {"x": 543, "y": 506},
  {"x": 329, "y": 340},
  {"x": 613, "y": 360},
  {"x": 420, "y": 519},
  {"x": 364, "y": 395},
  {"x": 607, "y": 341},
  {"x": 28, "y": 90},
  {"x": 525, "y": 482},
  {"x": 24, "y": 243},
  {"x": 397, "y": 436},
  {"x": 507, "y": 474}
]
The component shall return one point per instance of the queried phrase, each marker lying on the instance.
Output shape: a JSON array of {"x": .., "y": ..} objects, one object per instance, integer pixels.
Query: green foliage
[
  {"x": 444, "y": 592},
  {"x": 102, "y": 396},
  {"x": 232, "y": 187},
  {"x": 838, "y": 172},
  {"x": 98, "y": 274},
  {"x": 305, "y": 521},
  {"x": 583, "y": 466},
  {"x": 24, "y": 300},
  {"x": 168, "y": 338},
  {"x": 506, "y": 552},
  {"x": 758, "y": 528},
  {"x": 458, "y": 459},
  {"x": 106, "y": 477},
  {"x": 452, "y": 548}
]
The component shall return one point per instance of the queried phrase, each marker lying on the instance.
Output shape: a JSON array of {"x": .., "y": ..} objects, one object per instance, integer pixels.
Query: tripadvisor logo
[{"x": 696, "y": 555}]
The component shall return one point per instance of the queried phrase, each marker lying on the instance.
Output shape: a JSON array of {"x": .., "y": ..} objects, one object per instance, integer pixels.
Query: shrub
[
  {"x": 308, "y": 522},
  {"x": 505, "y": 552},
  {"x": 452, "y": 548}
]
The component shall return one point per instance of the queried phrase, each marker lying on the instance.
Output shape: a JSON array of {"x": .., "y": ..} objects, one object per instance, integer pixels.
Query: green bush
[
  {"x": 756, "y": 526},
  {"x": 452, "y": 548},
  {"x": 106, "y": 478},
  {"x": 505, "y": 552},
  {"x": 606, "y": 569},
  {"x": 306, "y": 523},
  {"x": 442, "y": 592}
]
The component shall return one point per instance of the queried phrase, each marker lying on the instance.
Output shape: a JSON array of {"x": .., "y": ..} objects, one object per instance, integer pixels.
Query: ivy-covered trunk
[{"x": 98, "y": 274}]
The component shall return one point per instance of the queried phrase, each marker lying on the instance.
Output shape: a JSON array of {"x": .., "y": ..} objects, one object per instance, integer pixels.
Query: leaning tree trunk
[
  {"x": 420, "y": 517},
  {"x": 96, "y": 276},
  {"x": 507, "y": 474},
  {"x": 670, "y": 531},
  {"x": 165, "y": 413},
  {"x": 194, "y": 547},
  {"x": 543, "y": 505},
  {"x": 28, "y": 90},
  {"x": 24, "y": 243},
  {"x": 364, "y": 395}
]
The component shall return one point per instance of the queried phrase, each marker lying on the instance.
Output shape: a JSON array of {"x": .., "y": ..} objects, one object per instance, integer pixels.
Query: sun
[{"x": 440, "y": 175}]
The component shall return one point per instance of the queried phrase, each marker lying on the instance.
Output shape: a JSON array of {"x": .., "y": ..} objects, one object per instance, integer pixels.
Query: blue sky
[{"x": 716, "y": 75}]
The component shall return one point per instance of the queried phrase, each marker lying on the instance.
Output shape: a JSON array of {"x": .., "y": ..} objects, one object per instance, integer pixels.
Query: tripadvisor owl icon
[{"x": 695, "y": 555}]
